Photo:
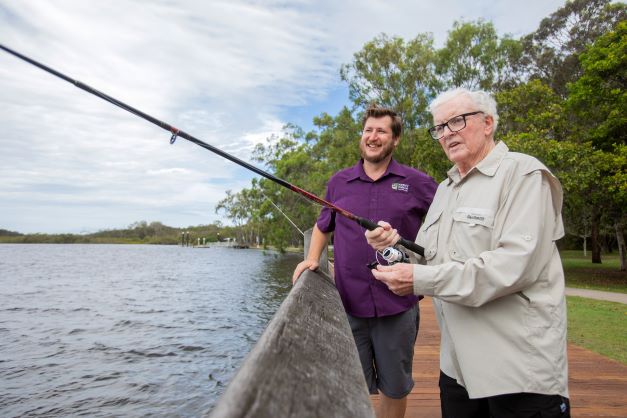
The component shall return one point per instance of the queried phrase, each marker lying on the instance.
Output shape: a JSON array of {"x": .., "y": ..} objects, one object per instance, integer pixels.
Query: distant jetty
[{"x": 224, "y": 244}]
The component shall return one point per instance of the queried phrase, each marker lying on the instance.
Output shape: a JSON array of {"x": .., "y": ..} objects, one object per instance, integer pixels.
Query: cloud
[{"x": 228, "y": 72}]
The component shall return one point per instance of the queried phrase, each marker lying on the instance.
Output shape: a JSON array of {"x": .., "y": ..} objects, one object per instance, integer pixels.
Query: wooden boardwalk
[{"x": 598, "y": 385}]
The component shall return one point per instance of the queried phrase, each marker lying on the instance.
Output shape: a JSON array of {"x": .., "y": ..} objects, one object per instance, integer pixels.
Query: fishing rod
[{"x": 366, "y": 223}]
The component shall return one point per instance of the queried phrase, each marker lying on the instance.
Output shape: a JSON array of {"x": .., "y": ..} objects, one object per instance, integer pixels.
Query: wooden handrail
[{"x": 305, "y": 363}]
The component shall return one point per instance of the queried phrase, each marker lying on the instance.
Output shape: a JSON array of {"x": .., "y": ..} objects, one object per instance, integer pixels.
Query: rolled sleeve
[
  {"x": 424, "y": 279},
  {"x": 326, "y": 220}
]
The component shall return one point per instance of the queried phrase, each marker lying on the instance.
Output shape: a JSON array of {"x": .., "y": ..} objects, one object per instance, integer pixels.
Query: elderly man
[{"x": 492, "y": 268}]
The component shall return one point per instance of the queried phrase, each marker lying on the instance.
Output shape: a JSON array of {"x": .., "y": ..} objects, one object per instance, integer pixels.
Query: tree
[
  {"x": 474, "y": 57},
  {"x": 551, "y": 52},
  {"x": 532, "y": 107},
  {"x": 289, "y": 156},
  {"x": 599, "y": 101},
  {"x": 239, "y": 208},
  {"x": 594, "y": 182},
  {"x": 598, "y": 97},
  {"x": 335, "y": 145},
  {"x": 586, "y": 133},
  {"x": 580, "y": 137},
  {"x": 394, "y": 73}
]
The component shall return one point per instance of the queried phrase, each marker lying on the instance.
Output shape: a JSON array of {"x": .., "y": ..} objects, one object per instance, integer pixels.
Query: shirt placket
[{"x": 373, "y": 213}]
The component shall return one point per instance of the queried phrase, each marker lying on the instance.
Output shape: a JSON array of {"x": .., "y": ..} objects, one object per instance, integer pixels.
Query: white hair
[{"x": 481, "y": 99}]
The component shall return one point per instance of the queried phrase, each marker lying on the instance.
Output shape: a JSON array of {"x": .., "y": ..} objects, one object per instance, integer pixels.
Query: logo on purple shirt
[{"x": 400, "y": 187}]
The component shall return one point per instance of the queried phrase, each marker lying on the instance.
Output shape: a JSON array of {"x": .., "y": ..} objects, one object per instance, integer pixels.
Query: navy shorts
[{"x": 386, "y": 350}]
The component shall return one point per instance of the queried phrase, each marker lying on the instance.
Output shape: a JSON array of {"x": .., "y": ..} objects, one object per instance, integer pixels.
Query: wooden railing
[{"x": 305, "y": 363}]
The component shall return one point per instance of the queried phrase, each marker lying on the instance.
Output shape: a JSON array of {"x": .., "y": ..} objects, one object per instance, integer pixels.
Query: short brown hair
[{"x": 375, "y": 111}]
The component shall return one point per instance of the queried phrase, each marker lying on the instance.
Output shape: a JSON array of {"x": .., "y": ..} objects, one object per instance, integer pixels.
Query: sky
[{"x": 231, "y": 73}]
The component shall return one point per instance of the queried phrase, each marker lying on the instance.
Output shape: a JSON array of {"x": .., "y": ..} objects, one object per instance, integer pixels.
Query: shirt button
[{"x": 527, "y": 237}]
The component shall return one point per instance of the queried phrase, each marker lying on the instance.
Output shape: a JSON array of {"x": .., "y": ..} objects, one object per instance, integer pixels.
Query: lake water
[{"x": 129, "y": 330}]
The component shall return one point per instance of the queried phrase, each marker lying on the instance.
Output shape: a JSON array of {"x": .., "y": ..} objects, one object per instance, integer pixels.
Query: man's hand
[
  {"x": 399, "y": 278},
  {"x": 383, "y": 237},
  {"x": 302, "y": 266}
]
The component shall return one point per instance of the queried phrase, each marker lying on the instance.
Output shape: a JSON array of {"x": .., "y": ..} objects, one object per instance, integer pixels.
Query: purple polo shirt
[{"x": 401, "y": 197}]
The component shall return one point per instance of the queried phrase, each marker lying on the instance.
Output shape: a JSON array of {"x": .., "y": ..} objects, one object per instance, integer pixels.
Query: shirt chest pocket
[
  {"x": 428, "y": 236},
  {"x": 471, "y": 232}
]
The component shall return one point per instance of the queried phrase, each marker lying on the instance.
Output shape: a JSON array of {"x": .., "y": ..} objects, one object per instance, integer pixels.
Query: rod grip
[
  {"x": 410, "y": 245},
  {"x": 367, "y": 223}
]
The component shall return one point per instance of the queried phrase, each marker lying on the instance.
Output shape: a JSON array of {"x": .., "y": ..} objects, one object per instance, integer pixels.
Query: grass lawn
[
  {"x": 598, "y": 326},
  {"x": 580, "y": 272}
]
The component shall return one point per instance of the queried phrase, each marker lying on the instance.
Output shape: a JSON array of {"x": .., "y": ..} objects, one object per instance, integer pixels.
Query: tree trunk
[
  {"x": 595, "y": 239},
  {"x": 585, "y": 248},
  {"x": 620, "y": 239}
]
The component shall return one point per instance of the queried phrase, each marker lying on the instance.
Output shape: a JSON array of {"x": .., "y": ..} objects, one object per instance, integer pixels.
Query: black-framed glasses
[{"x": 454, "y": 124}]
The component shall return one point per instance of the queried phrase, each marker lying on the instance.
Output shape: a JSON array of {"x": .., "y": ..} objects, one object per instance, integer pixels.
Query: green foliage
[
  {"x": 137, "y": 233},
  {"x": 551, "y": 52},
  {"x": 599, "y": 98},
  {"x": 428, "y": 156},
  {"x": 335, "y": 146},
  {"x": 577, "y": 132},
  {"x": 593, "y": 180},
  {"x": 396, "y": 74},
  {"x": 531, "y": 107},
  {"x": 474, "y": 57}
]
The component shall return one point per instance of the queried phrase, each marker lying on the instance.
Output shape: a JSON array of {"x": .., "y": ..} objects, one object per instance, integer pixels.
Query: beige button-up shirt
[{"x": 496, "y": 276}]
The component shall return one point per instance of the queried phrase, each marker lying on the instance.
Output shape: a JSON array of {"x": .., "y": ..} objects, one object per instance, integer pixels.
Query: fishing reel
[
  {"x": 391, "y": 255},
  {"x": 394, "y": 255}
]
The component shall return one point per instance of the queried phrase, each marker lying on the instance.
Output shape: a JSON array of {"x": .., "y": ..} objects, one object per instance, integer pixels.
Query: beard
[{"x": 384, "y": 152}]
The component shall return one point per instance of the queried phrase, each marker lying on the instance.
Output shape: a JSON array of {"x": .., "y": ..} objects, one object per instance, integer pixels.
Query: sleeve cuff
[{"x": 424, "y": 279}]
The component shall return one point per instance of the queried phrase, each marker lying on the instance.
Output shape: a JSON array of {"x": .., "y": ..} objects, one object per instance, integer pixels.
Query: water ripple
[{"x": 133, "y": 331}]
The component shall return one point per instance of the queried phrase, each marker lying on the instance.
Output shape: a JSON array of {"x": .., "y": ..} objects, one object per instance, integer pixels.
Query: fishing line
[
  {"x": 283, "y": 213},
  {"x": 366, "y": 223}
]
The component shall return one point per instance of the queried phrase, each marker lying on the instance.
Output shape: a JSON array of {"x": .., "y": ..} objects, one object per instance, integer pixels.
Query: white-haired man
[{"x": 493, "y": 269}]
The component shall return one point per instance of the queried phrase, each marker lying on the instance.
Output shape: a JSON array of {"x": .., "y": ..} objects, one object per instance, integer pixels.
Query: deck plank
[{"x": 598, "y": 385}]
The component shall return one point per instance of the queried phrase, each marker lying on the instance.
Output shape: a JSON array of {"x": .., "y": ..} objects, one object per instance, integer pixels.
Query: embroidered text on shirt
[{"x": 400, "y": 187}]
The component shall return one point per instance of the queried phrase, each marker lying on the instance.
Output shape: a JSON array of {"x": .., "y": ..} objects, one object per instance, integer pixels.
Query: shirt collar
[
  {"x": 488, "y": 166},
  {"x": 357, "y": 171}
]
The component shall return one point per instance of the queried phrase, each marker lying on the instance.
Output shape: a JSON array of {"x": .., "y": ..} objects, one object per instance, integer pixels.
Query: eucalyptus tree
[
  {"x": 240, "y": 208},
  {"x": 289, "y": 156},
  {"x": 530, "y": 78},
  {"x": 598, "y": 99},
  {"x": 594, "y": 183},
  {"x": 476, "y": 58},
  {"x": 532, "y": 107},
  {"x": 334, "y": 144},
  {"x": 551, "y": 52},
  {"x": 395, "y": 73}
]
